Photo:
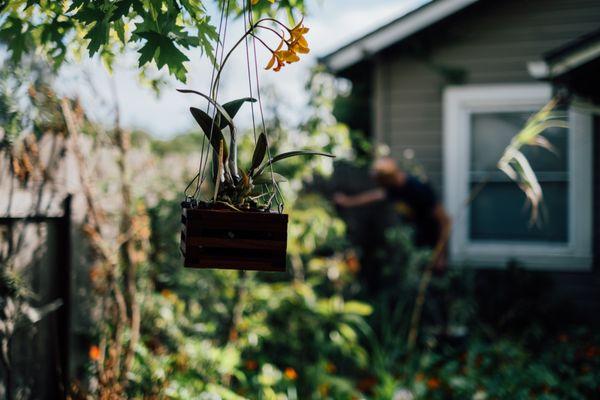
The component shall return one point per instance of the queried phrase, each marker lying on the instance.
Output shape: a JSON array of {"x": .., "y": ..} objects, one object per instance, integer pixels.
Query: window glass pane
[
  {"x": 499, "y": 213},
  {"x": 492, "y": 132},
  {"x": 542, "y": 160}
]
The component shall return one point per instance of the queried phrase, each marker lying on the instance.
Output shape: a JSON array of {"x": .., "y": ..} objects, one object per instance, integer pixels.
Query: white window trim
[{"x": 459, "y": 103}]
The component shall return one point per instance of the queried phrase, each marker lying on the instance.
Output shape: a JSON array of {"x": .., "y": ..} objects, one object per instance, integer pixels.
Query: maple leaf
[
  {"x": 14, "y": 36},
  {"x": 98, "y": 36},
  {"x": 164, "y": 52}
]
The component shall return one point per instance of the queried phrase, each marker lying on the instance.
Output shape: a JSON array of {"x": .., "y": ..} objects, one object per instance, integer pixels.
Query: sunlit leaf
[
  {"x": 289, "y": 154},
  {"x": 514, "y": 163},
  {"x": 358, "y": 308},
  {"x": 266, "y": 177},
  {"x": 233, "y": 107},
  {"x": 220, "y": 109}
]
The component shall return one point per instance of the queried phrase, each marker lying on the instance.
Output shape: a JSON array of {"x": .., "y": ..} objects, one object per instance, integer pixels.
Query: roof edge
[
  {"x": 395, "y": 31},
  {"x": 567, "y": 58}
]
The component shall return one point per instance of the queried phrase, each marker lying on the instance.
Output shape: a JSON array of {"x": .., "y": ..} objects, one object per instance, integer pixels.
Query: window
[{"x": 493, "y": 228}]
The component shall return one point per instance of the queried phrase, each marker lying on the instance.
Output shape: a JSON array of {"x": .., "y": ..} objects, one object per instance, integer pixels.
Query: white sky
[{"x": 332, "y": 24}]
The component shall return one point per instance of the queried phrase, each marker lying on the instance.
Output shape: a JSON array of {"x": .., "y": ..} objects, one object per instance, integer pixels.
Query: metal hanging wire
[
  {"x": 274, "y": 191},
  {"x": 215, "y": 89},
  {"x": 197, "y": 177},
  {"x": 247, "y": 25}
]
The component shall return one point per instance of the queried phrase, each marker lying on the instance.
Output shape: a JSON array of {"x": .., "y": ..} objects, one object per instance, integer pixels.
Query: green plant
[
  {"x": 240, "y": 188},
  {"x": 235, "y": 187},
  {"x": 514, "y": 163}
]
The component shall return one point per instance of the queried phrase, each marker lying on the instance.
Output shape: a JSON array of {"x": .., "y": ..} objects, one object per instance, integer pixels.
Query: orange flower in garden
[
  {"x": 290, "y": 373},
  {"x": 330, "y": 367},
  {"x": 592, "y": 351},
  {"x": 323, "y": 390},
  {"x": 167, "y": 294},
  {"x": 352, "y": 262},
  {"x": 366, "y": 384},
  {"x": 434, "y": 383},
  {"x": 563, "y": 338},
  {"x": 94, "y": 353},
  {"x": 251, "y": 365}
]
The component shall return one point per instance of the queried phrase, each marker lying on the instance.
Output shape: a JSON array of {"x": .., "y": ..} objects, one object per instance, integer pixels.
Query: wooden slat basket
[{"x": 228, "y": 239}]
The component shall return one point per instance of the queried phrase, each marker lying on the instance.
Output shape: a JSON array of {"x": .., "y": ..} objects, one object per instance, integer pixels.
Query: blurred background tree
[{"x": 159, "y": 30}]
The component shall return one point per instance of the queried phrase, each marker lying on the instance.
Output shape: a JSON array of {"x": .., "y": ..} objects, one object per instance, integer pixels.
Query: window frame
[{"x": 462, "y": 101}]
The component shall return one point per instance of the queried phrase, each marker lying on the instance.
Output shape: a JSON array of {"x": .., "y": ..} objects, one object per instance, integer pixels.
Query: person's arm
[
  {"x": 361, "y": 199},
  {"x": 441, "y": 247}
]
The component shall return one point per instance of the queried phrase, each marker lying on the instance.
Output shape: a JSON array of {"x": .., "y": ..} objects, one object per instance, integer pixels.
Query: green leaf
[
  {"x": 98, "y": 36},
  {"x": 289, "y": 154},
  {"x": 89, "y": 13},
  {"x": 358, "y": 308},
  {"x": 29, "y": 4},
  {"x": 147, "y": 52},
  {"x": 207, "y": 35},
  {"x": 164, "y": 52},
  {"x": 259, "y": 152},
  {"x": 212, "y": 132},
  {"x": 171, "y": 56},
  {"x": 266, "y": 177},
  {"x": 233, "y": 107},
  {"x": 121, "y": 9},
  {"x": 13, "y": 37},
  {"x": 220, "y": 109},
  {"x": 119, "y": 27}
]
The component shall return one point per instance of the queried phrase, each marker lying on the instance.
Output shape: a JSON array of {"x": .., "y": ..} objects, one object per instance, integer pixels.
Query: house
[{"x": 452, "y": 82}]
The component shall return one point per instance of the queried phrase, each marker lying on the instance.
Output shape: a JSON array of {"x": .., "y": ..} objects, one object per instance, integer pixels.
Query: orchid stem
[{"x": 230, "y": 52}]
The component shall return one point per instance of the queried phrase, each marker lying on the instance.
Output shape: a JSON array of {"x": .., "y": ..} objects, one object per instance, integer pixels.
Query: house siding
[{"x": 488, "y": 43}]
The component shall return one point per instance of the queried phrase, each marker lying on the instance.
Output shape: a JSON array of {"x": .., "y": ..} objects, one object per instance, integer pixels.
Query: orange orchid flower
[
  {"x": 276, "y": 57},
  {"x": 296, "y": 44}
]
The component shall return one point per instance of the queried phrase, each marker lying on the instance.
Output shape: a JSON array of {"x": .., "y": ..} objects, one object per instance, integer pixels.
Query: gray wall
[{"x": 490, "y": 42}]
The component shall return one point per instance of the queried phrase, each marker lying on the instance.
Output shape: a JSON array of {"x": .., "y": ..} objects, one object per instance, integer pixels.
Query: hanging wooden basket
[{"x": 228, "y": 239}]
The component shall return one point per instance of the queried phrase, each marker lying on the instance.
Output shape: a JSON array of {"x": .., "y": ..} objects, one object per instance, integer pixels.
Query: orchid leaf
[
  {"x": 289, "y": 154},
  {"x": 220, "y": 109},
  {"x": 206, "y": 123},
  {"x": 259, "y": 152},
  {"x": 229, "y": 121},
  {"x": 268, "y": 177},
  {"x": 232, "y": 109}
]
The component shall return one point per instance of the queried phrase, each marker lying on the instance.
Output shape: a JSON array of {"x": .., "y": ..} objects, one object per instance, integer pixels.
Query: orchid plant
[{"x": 235, "y": 187}]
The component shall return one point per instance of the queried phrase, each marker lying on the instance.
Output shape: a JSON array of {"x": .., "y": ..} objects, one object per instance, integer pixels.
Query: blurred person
[{"x": 415, "y": 200}]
